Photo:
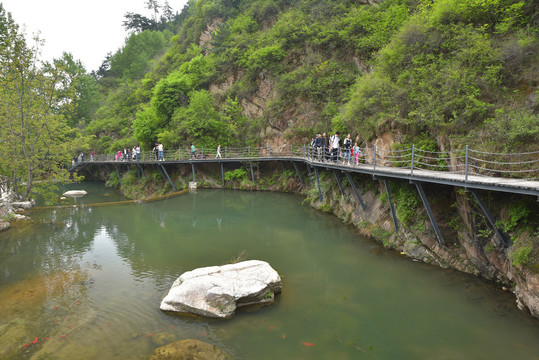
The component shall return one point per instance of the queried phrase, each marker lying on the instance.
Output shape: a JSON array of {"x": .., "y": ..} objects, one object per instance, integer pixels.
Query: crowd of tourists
[
  {"x": 333, "y": 149},
  {"x": 323, "y": 148},
  {"x": 133, "y": 154}
]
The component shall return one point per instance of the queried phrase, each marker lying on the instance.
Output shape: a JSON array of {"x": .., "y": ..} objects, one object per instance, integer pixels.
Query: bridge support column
[
  {"x": 429, "y": 212},
  {"x": 318, "y": 182},
  {"x": 118, "y": 173},
  {"x": 489, "y": 217},
  {"x": 223, "y": 174},
  {"x": 193, "y": 169},
  {"x": 94, "y": 176},
  {"x": 168, "y": 177},
  {"x": 338, "y": 181},
  {"x": 88, "y": 170},
  {"x": 141, "y": 170},
  {"x": 252, "y": 172},
  {"x": 158, "y": 169},
  {"x": 391, "y": 207},
  {"x": 355, "y": 191},
  {"x": 299, "y": 175},
  {"x": 310, "y": 175}
]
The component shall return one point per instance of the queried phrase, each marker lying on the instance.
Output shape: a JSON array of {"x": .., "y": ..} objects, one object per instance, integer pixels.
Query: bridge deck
[{"x": 512, "y": 185}]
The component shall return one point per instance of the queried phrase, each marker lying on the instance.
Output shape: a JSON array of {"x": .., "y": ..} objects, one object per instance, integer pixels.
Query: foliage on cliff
[{"x": 447, "y": 69}]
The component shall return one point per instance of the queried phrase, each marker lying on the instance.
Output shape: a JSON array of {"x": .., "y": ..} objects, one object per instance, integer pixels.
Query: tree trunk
[
  {"x": 28, "y": 185},
  {"x": 15, "y": 187}
]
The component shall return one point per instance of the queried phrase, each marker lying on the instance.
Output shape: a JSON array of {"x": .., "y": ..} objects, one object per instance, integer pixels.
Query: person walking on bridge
[
  {"x": 160, "y": 156},
  {"x": 347, "y": 146},
  {"x": 318, "y": 144},
  {"x": 334, "y": 145},
  {"x": 357, "y": 152},
  {"x": 193, "y": 152},
  {"x": 325, "y": 146},
  {"x": 218, "y": 155}
]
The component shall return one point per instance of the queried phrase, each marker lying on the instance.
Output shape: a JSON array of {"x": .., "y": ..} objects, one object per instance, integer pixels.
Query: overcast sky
[{"x": 87, "y": 29}]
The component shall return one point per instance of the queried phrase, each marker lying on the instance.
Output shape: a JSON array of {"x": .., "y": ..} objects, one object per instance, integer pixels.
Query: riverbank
[{"x": 11, "y": 209}]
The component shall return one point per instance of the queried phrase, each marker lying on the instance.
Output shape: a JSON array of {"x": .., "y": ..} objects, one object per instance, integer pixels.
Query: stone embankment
[{"x": 10, "y": 209}]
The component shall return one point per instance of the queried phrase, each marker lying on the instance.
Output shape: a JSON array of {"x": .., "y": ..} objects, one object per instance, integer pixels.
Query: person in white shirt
[
  {"x": 160, "y": 152},
  {"x": 334, "y": 144}
]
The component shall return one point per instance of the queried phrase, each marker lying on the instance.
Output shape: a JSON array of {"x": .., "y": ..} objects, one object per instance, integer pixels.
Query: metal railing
[{"x": 464, "y": 161}]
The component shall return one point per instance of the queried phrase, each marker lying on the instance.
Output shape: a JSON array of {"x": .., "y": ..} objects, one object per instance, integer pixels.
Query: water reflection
[{"x": 104, "y": 271}]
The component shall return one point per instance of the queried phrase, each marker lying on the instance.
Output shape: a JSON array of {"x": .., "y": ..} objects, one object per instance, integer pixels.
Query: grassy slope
[{"x": 455, "y": 71}]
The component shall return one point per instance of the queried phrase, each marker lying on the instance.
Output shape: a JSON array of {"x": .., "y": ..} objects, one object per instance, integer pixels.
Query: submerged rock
[
  {"x": 189, "y": 349},
  {"x": 217, "y": 291},
  {"x": 163, "y": 338}
]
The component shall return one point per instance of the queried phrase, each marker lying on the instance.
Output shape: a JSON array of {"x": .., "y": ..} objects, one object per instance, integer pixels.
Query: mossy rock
[{"x": 189, "y": 349}]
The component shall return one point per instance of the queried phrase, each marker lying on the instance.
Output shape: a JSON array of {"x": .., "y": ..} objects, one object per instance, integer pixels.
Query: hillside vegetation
[{"x": 237, "y": 72}]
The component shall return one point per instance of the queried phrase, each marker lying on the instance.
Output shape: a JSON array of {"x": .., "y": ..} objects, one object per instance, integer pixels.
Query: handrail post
[
  {"x": 412, "y": 166},
  {"x": 226, "y": 151},
  {"x": 179, "y": 153},
  {"x": 466, "y": 166},
  {"x": 374, "y": 158},
  {"x": 269, "y": 147},
  {"x": 291, "y": 150},
  {"x": 249, "y": 151},
  {"x": 201, "y": 153}
]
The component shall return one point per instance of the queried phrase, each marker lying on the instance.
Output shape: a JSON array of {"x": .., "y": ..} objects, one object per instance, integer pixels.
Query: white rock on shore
[
  {"x": 217, "y": 291},
  {"x": 24, "y": 205},
  {"x": 75, "y": 193}
]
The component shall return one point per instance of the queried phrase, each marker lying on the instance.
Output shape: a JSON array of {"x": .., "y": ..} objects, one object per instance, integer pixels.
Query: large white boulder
[
  {"x": 75, "y": 193},
  {"x": 217, "y": 291}
]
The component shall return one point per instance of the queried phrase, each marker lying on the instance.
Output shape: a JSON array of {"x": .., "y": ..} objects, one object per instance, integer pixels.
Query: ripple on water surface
[{"x": 87, "y": 283}]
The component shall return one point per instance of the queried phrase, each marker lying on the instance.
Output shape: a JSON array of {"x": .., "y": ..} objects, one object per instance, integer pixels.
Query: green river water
[{"x": 86, "y": 283}]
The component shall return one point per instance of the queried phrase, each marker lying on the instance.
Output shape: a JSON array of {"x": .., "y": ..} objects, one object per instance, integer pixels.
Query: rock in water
[
  {"x": 4, "y": 225},
  {"x": 189, "y": 349},
  {"x": 217, "y": 291},
  {"x": 75, "y": 193}
]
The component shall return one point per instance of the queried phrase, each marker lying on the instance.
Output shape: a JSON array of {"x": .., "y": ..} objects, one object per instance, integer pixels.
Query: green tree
[
  {"x": 238, "y": 129},
  {"x": 133, "y": 60},
  {"x": 200, "y": 120},
  {"x": 36, "y": 140}
]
